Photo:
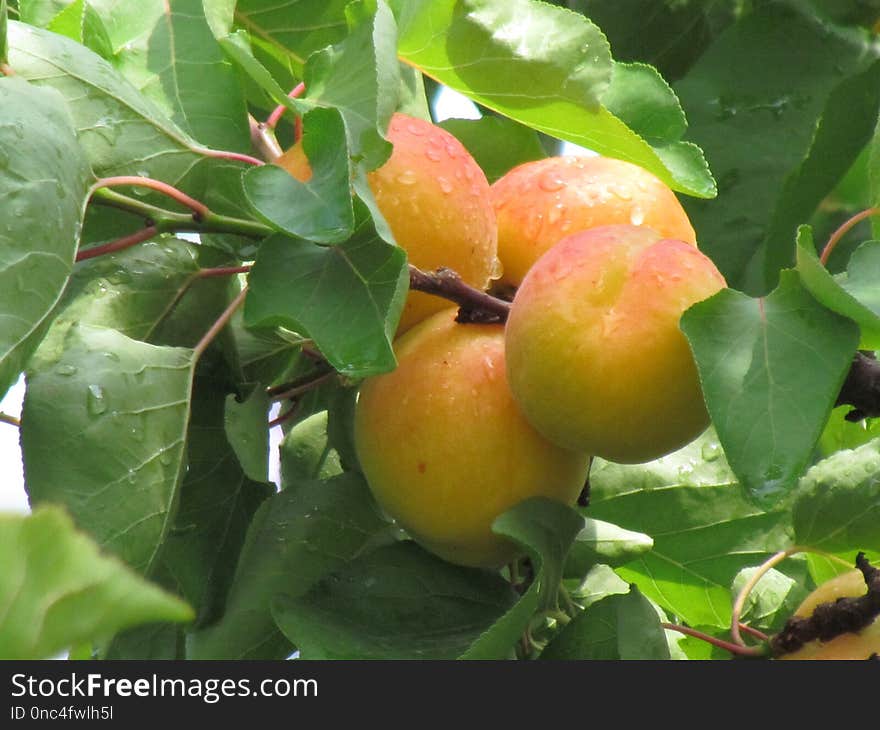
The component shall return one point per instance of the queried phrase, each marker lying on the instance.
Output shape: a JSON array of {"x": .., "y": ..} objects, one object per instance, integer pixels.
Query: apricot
[
  {"x": 444, "y": 447},
  {"x": 437, "y": 203},
  {"x": 595, "y": 356},
  {"x": 860, "y": 645},
  {"x": 539, "y": 203}
]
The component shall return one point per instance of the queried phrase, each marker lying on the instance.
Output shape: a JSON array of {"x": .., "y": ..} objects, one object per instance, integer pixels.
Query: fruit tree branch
[
  {"x": 476, "y": 307},
  {"x": 861, "y": 389}
]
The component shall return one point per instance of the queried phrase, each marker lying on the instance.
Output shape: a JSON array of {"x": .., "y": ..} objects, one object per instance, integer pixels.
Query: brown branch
[
  {"x": 861, "y": 389},
  {"x": 834, "y": 618},
  {"x": 476, "y": 307}
]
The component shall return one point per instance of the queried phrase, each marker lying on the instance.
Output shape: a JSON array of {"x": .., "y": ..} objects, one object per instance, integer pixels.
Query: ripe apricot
[
  {"x": 437, "y": 203},
  {"x": 541, "y": 202},
  {"x": 444, "y": 447},
  {"x": 595, "y": 356}
]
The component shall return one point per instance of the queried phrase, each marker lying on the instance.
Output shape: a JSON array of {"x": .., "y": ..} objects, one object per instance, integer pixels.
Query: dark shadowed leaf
[
  {"x": 771, "y": 369},
  {"x": 59, "y": 590}
]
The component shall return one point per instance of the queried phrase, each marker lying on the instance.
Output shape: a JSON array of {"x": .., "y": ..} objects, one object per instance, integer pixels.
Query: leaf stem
[
  {"x": 737, "y": 649},
  {"x": 273, "y": 119},
  {"x": 199, "y": 209},
  {"x": 229, "y": 155},
  {"x": 221, "y": 322},
  {"x": 749, "y": 586},
  {"x": 120, "y": 244},
  {"x": 835, "y": 237},
  {"x": 263, "y": 139},
  {"x": 11, "y": 420},
  {"x": 310, "y": 384},
  {"x": 760, "y": 635},
  {"x": 223, "y": 271}
]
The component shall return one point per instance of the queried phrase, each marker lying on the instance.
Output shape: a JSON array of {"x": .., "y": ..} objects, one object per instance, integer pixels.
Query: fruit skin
[
  {"x": 437, "y": 203},
  {"x": 444, "y": 447},
  {"x": 860, "y": 645},
  {"x": 539, "y": 203},
  {"x": 595, "y": 356}
]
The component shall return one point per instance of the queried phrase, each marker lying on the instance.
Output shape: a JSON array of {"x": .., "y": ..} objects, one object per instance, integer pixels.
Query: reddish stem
[
  {"x": 145, "y": 234},
  {"x": 224, "y": 271},
  {"x": 279, "y": 110},
  {"x": 6, "y": 69},
  {"x": 842, "y": 230},
  {"x": 236, "y": 156},
  {"x": 221, "y": 322},
  {"x": 199, "y": 210},
  {"x": 746, "y": 629},
  {"x": 715, "y": 641},
  {"x": 305, "y": 387},
  {"x": 286, "y": 416}
]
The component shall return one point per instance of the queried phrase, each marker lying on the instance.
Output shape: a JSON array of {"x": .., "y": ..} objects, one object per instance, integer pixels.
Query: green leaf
[
  {"x": 602, "y": 542},
  {"x": 546, "y": 529},
  {"x": 291, "y": 31},
  {"x": 837, "y": 503},
  {"x": 642, "y": 100},
  {"x": 769, "y": 604},
  {"x": 121, "y": 131},
  {"x": 103, "y": 429},
  {"x": 705, "y": 529},
  {"x": 43, "y": 178},
  {"x": 623, "y": 626},
  {"x": 320, "y": 209},
  {"x": 306, "y": 453},
  {"x": 841, "y": 434},
  {"x": 771, "y": 369},
  {"x": 398, "y": 602},
  {"x": 3, "y": 42},
  {"x": 347, "y": 298},
  {"x": 755, "y": 114},
  {"x": 361, "y": 78},
  {"x": 58, "y": 590},
  {"x": 167, "y": 50},
  {"x": 295, "y": 539},
  {"x": 151, "y": 641},
  {"x": 853, "y": 295},
  {"x": 497, "y": 53},
  {"x": 497, "y": 144},
  {"x": 248, "y": 433},
  {"x": 80, "y": 22}
]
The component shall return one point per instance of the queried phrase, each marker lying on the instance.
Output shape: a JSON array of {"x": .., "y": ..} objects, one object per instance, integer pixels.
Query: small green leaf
[
  {"x": 602, "y": 542},
  {"x": 546, "y": 529},
  {"x": 247, "y": 431},
  {"x": 769, "y": 604},
  {"x": 320, "y": 209},
  {"x": 497, "y": 144},
  {"x": 771, "y": 369},
  {"x": 103, "y": 430},
  {"x": 853, "y": 295},
  {"x": 59, "y": 590},
  {"x": 80, "y": 22},
  {"x": 397, "y": 602},
  {"x": 837, "y": 503},
  {"x": 295, "y": 539},
  {"x": 347, "y": 298},
  {"x": 43, "y": 178},
  {"x": 306, "y": 453}
]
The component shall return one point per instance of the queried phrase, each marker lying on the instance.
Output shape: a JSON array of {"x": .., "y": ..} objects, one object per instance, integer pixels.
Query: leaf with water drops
[
  {"x": 44, "y": 177},
  {"x": 397, "y": 602},
  {"x": 103, "y": 429},
  {"x": 296, "y": 538},
  {"x": 59, "y": 590},
  {"x": 771, "y": 369},
  {"x": 704, "y": 528}
]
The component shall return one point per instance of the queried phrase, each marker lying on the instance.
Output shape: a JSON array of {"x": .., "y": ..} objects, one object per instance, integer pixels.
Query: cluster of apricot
[{"x": 591, "y": 362}]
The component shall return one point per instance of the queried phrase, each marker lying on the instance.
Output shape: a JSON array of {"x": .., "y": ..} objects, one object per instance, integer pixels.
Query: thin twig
[
  {"x": 221, "y": 322},
  {"x": 476, "y": 306},
  {"x": 842, "y": 230},
  {"x": 305, "y": 387},
  {"x": 273, "y": 119},
  {"x": 120, "y": 244},
  {"x": 223, "y": 271},
  {"x": 11, "y": 420},
  {"x": 739, "y": 650},
  {"x": 749, "y": 586},
  {"x": 229, "y": 155}
]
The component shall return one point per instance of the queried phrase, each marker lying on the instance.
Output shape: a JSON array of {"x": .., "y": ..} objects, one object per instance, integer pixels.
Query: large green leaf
[
  {"x": 755, "y": 113},
  {"x": 347, "y": 298},
  {"x": 103, "y": 430},
  {"x": 771, "y": 369},
  {"x": 398, "y": 602},
  {"x": 80, "y": 22},
  {"x": 496, "y": 52},
  {"x": 59, "y": 590},
  {"x": 705, "y": 529},
  {"x": 121, "y": 131},
  {"x": 43, "y": 182},
  {"x": 546, "y": 530},
  {"x": 837, "y": 505},
  {"x": 602, "y": 542},
  {"x": 296, "y": 538}
]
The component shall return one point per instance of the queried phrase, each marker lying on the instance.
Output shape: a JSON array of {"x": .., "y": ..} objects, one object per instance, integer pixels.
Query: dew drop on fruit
[
  {"x": 551, "y": 182},
  {"x": 407, "y": 177},
  {"x": 417, "y": 129},
  {"x": 497, "y": 270},
  {"x": 555, "y": 213},
  {"x": 445, "y": 185},
  {"x": 621, "y": 192},
  {"x": 451, "y": 150},
  {"x": 637, "y": 217},
  {"x": 96, "y": 403},
  {"x": 433, "y": 154}
]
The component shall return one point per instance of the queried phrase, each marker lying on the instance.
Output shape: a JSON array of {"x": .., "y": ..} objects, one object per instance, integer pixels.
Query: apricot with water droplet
[
  {"x": 592, "y": 191},
  {"x": 445, "y": 448},
  {"x": 437, "y": 202},
  {"x": 595, "y": 356}
]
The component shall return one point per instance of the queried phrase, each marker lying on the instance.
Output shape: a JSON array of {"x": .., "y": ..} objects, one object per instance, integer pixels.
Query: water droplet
[
  {"x": 407, "y": 177},
  {"x": 551, "y": 182},
  {"x": 96, "y": 403},
  {"x": 120, "y": 276},
  {"x": 497, "y": 270},
  {"x": 451, "y": 150},
  {"x": 132, "y": 476},
  {"x": 621, "y": 192},
  {"x": 445, "y": 185},
  {"x": 165, "y": 457},
  {"x": 66, "y": 370},
  {"x": 469, "y": 173},
  {"x": 637, "y": 216},
  {"x": 112, "y": 356},
  {"x": 417, "y": 129},
  {"x": 433, "y": 154},
  {"x": 711, "y": 450},
  {"x": 555, "y": 213}
]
